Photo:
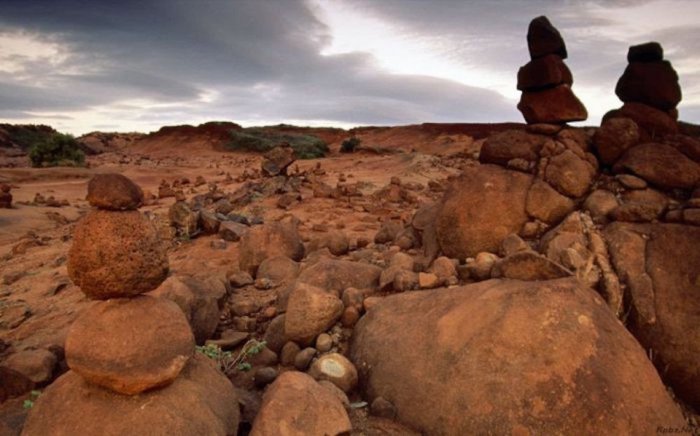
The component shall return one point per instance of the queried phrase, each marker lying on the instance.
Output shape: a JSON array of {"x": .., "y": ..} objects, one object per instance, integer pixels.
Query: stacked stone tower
[
  {"x": 650, "y": 92},
  {"x": 546, "y": 81},
  {"x": 131, "y": 355}
]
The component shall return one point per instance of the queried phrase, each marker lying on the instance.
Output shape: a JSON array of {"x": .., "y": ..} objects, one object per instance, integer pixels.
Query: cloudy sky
[{"x": 135, "y": 65}]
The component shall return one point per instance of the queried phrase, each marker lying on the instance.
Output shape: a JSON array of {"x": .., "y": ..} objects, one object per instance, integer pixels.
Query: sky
[{"x": 136, "y": 65}]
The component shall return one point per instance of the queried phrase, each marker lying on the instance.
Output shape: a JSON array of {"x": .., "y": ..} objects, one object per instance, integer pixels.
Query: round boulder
[
  {"x": 481, "y": 208},
  {"x": 336, "y": 369},
  {"x": 509, "y": 357},
  {"x": 119, "y": 344},
  {"x": 295, "y": 405},
  {"x": 116, "y": 254},
  {"x": 113, "y": 191},
  {"x": 200, "y": 401},
  {"x": 310, "y": 312},
  {"x": 269, "y": 240}
]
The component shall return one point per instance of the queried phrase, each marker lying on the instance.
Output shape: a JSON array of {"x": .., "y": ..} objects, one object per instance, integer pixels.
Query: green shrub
[
  {"x": 350, "y": 145},
  {"x": 56, "y": 150},
  {"x": 261, "y": 140}
]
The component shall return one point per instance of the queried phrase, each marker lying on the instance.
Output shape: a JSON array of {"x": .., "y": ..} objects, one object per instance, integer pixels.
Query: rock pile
[
  {"x": 546, "y": 81},
  {"x": 5, "y": 196},
  {"x": 130, "y": 354},
  {"x": 650, "y": 91}
]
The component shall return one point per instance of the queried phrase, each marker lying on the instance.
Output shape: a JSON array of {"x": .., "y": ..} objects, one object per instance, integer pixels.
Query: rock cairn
[
  {"x": 5, "y": 196},
  {"x": 650, "y": 91},
  {"x": 126, "y": 345},
  {"x": 546, "y": 81},
  {"x": 648, "y": 79}
]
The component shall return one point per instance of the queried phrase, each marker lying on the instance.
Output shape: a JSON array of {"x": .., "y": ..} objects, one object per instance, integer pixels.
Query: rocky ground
[{"x": 539, "y": 279}]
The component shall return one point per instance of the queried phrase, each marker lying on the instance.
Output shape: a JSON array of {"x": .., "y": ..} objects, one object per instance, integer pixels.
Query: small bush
[
  {"x": 56, "y": 150},
  {"x": 262, "y": 140},
  {"x": 350, "y": 145}
]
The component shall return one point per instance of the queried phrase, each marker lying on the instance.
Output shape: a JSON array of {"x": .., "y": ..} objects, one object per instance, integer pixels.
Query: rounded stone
[
  {"x": 114, "y": 191},
  {"x": 116, "y": 254},
  {"x": 200, "y": 401},
  {"x": 130, "y": 345},
  {"x": 337, "y": 369}
]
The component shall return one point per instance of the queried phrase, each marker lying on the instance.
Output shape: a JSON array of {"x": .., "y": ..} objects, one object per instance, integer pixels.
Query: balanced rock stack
[
  {"x": 546, "y": 80},
  {"x": 133, "y": 369},
  {"x": 5, "y": 196},
  {"x": 649, "y": 90}
]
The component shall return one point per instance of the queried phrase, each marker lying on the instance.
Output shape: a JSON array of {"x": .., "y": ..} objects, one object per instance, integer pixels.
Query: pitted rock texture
[{"x": 116, "y": 254}]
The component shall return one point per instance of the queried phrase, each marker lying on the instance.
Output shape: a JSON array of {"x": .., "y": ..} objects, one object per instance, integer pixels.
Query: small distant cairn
[
  {"x": 5, "y": 196},
  {"x": 546, "y": 81},
  {"x": 128, "y": 350}
]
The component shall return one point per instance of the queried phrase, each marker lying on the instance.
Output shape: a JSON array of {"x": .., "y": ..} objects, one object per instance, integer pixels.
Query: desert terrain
[{"x": 438, "y": 279}]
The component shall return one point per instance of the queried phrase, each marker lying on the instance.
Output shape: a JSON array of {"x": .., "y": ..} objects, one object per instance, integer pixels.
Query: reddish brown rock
[
  {"x": 659, "y": 263},
  {"x": 200, "y": 301},
  {"x": 114, "y": 191},
  {"x": 614, "y": 137},
  {"x": 310, "y": 312},
  {"x": 200, "y": 401},
  {"x": 661, "y": 165},
  {"x": 651, "y": 83},
  {"x": 569, "y": 174},
  {"x": 544, "y": 39},
  {"x": 483, "y": 206},
  {"x": 546, "y": 204},
  {"x": 5, "y": 196},
  {"x": 338, "y": 275},
  {"x": 502, "y": 147},
  {"x": 37, "y": 365},
  {"x": 277, "y": 160},
  {"x": 653, "y": 123},
  {"x": 295, "y": 405},
  {"x": 554, "y": 105},
  {"x": 528, "y": 265},
  {"x": 336, "y": 369},
  {"x": 278, "y": 269},
  {"x": 268, "y": 240},
  {"x": 119, "y": 344},
  {"x": 116, "y": 254},
  {"x": 542, "y": 73},
  {"x": 648, "y": 52},
  {"x": 555, "y": 342}
]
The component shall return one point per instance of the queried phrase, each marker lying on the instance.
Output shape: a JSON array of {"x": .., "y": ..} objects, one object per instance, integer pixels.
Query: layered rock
[
  {"x": 509, "y": 357},
  {"x": 546, "y": 81}
]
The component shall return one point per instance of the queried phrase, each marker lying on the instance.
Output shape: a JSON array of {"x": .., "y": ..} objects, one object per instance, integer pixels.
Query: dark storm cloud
[{"x": 260, "y": 60}]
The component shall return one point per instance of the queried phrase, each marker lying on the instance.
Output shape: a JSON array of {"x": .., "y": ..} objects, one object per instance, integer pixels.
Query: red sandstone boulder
[
  {"x": 130, "y": 345},
  {"x": 201, "y": 401},
  {"x": 614, "y": 137},
  {"x": 310, "y": 312},
  {"x": 295, "y": 405},
  {"x": 338, "y": 275},
  {"x": 544, "y": 39},
  {"x": 542, "y": 73},
  {"x": 509, "y": 357},
  {"x": 269, "y": 240},
  {"x": 653, "y": 123},
  {"x": 651, "y": 83},
  {"x": 116, "y": 254},
  {"x": 660, "y": 263},
  {"x": 113, "y": 191},
  {"x": 552, "y": 106},
  {"x": 483, "y": 206},
  {"x": 502, "y": 147},
  {"x": 661, "y": 165}
]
